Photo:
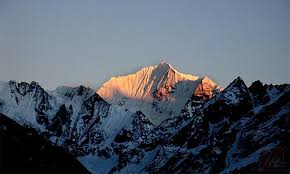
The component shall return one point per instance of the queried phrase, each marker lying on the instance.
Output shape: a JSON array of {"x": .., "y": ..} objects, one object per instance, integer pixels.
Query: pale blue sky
[{"x": 68, "y": 42}]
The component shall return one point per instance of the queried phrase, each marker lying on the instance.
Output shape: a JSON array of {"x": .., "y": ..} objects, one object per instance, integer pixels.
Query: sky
[{"x": 69, "y": 42}]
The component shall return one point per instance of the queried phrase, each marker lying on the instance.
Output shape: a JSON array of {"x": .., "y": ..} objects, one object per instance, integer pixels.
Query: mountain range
[{"x": 159, "y": 120}]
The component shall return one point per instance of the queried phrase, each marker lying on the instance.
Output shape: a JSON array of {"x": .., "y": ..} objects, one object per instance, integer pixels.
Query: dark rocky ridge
[
  {"x": 24, "y": 151},
  {"x": 215, "y": 142},
  {"x": 227, "y": 132}
]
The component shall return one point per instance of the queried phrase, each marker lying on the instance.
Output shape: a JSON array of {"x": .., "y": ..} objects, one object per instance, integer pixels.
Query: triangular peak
[
  {"x": 163, "y": 62},
  {"x": 237, "y": 82},
  {"x": 207, "y": 80},
  {"x": 159, "y": 91},
  {"x": 163, "y": 65}
]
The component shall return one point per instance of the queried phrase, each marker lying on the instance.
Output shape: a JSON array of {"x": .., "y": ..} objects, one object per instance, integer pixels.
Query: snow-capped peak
[
  {"x": 159, "y": 91},
  {"x": 166, "y": 67}
]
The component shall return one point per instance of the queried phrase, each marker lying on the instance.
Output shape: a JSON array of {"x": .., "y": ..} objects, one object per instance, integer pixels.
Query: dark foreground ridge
[{"x": 24, "y": 151}]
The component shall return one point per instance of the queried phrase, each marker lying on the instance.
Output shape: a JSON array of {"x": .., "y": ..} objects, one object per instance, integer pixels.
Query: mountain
[
  {"x": 238, "y": 129},
  {"x": 234, "y": 132},
  {"x": 24, "y": 151},
  {"x": 26, "y": 103},
  {"x": 159, "y": 91}
]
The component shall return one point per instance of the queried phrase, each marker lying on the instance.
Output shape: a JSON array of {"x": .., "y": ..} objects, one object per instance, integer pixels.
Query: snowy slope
[
  {"x": 26, "y": 102},
  {"x": 31, "y": 104},
  {"x": 235, "y": 134},
  {"x": 223, "y": 134},
  {"x": 159, "y": 91},
  {"x": 228, "y": 131},
  {"x": 75, "y": 118}
]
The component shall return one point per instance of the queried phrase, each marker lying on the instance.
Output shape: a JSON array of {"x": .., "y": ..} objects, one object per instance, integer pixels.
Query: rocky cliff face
[
  {"x": 25, "y": 102},
  {"x": 159, "y": 91},
  {"x": 231, "y": 134},
  {"x": 66, "y": 115},
  {"x": 236, "y": 130}
]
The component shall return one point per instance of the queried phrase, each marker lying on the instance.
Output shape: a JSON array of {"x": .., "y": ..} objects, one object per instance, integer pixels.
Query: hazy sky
[{"x": 67, "y": 42}]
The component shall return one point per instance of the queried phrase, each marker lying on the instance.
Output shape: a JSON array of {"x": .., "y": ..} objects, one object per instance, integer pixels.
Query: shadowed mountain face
[
  {"x": 24, "y": 151},
  {"x": 231, "y": 133},
  {"x": 236, "y": 130},
  {"x": 159, "y": 91}
]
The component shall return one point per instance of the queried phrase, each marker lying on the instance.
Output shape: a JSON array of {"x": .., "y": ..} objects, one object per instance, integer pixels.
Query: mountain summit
[
  {"x": 159, "y": 91},
  {"x": 205, "y": 130}
]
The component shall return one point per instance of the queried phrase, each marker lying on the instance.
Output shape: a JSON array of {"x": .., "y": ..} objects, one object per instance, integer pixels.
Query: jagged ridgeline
[
  {"x": 159, "y": 120},
  {"x": 159, "y": 91}
]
